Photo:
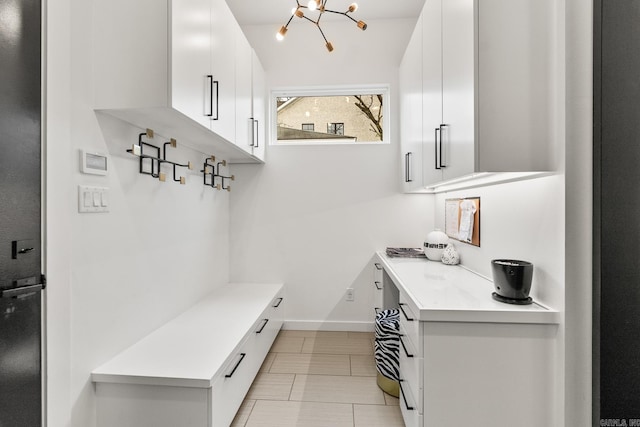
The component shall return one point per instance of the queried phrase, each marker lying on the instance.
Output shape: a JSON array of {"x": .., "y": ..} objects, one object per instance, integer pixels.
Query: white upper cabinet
[
  {"x": 244, "y": 117},
  {"x": 170, "y": 66},
  {"x": 224, "y": 31},
  {"x": 411, "y": 117},
  {"x": 258, "y": 106},
  {"x": 191, "y": 58},
  {"x": 432, "y": 90},
  {"x": 487, "y": 88}
]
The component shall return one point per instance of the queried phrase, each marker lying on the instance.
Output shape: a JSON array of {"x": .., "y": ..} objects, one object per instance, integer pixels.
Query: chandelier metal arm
[{"x": 321, "y": 6}]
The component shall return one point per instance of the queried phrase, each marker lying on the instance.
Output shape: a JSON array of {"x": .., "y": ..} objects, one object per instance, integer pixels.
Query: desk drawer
[
  {"x": 410, "y": 414},
  {"x": 409, "y": 321},
  {"x": 411, "y": 371}
]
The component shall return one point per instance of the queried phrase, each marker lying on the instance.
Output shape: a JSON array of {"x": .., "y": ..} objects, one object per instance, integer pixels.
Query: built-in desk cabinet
[
  {"x": 466, "y": 359},
  {"x": 182, "y": 68},
  {"x": 481, "y": 74}
]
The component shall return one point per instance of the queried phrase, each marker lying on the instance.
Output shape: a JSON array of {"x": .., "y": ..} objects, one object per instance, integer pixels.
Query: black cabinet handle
[
  {"x": 378, "y": 266},
  {"x": 409, "y": 408},
  {"x": 211, "y": 84},
  {"x": 378, "y": 286},
  {"x": 263, "y": 325},
  {"x": 253, "y": 132},
  {"x": 407, "y": 167},
  {"x": 210, "y": 87},
  {"x": 442, "y": 165},
  {"x": 437, "y": 132},
  {"x": 256, "y": 125},
  {"x": 405, "y": 314},
  {"x": 229, "y": 375},
  {"x": 278, "y": 303},
  {"x": 376, "y": 310},
  {"x": 404, "y": 346}
]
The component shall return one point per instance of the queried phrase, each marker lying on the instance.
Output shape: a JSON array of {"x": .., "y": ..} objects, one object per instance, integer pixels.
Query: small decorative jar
[
  {"x": 434, "y": 245},
  {"x": 450, "y": 255}
]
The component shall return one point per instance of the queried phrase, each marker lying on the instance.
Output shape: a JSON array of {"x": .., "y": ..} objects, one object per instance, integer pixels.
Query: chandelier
[{"x": 320, "y": 6}]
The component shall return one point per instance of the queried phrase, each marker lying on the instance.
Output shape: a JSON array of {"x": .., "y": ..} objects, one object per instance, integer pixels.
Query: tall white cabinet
[
  {"x": 182, "y": 68},
  {"x": 488, "y": 71},
  {"x": 411, "y": 117}
]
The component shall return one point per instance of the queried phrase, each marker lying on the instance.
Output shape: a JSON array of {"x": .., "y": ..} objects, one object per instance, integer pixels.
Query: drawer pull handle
[
  {"x": 378, "y": 285},
  {"x": 409, "y": 408},
  {"x": 229, "y": 375},
  {"x": 278, "y": 303},
  {"x": 376, "y": 310},
  {"x": 378, "y": 266},
  {"x": 404, "y": 346},
  {"x": 405, "y": 314},
  {"x": 263, "y": 325}
]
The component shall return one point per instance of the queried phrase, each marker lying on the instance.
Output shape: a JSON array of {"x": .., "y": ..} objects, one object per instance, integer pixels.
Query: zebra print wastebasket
[{"x": 387, "y": 350}]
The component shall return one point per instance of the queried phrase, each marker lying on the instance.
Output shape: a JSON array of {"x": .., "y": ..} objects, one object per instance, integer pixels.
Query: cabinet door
[
  {"x": 458, "y": 80},
  {"x": 432, "y": 90},
  {"x": 191, "y": 58},
  {"x": 259, "y": 106},
  {"x": 411, "y": 111},
  {"x": 515, "y": 85},
  {"x": 244, "y": 116},
  {"x": 223, "y": 27}
]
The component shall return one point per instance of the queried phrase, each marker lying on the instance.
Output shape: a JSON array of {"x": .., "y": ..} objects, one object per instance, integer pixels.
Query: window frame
[{"x": 329, "y": 90}]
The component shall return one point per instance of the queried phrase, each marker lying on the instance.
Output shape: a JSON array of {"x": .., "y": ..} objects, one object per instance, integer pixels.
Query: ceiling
[{"x": 277, "y": 12}]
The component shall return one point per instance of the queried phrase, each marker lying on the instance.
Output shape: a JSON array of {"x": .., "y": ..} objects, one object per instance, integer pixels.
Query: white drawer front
[
  {"x": 410, "y": 414},
  {"x": 378, "y": 290},
  {"x": 411, "y": 368},
  {"x": 409, "y": 322},
  {"x": 266, "y": 328},
  {"x": 230, "y": 388}
]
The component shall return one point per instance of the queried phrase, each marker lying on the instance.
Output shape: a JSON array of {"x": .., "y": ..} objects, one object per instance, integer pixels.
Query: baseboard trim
[{"x": 319, "y": 325}]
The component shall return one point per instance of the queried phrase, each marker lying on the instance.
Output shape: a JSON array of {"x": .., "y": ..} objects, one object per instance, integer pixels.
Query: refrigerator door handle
[
  {"x": 16, "y": 292},
  {"x": 24, "y": 286}
]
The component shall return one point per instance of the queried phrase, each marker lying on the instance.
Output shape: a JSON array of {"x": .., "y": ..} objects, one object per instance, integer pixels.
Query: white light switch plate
[{"x": 92, "y": 199}]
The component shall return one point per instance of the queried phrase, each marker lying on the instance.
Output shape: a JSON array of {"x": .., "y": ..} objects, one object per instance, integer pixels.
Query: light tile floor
[{"x": 319, "y": 379}]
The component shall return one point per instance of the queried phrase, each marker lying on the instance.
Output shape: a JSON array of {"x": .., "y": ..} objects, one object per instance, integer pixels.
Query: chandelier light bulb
[
  {"x": 299, "y": 13},
  {"x": 362, "y": 25},
  {"x": 353, "y": 7},
  {"x": 281, "y": 33},
  {"x": 312, "y": 5}
]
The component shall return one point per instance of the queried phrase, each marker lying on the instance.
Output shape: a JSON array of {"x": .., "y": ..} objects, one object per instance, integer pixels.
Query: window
[
  {"x": 335, "y": 128},
  {"x": 353, "y": 115}
]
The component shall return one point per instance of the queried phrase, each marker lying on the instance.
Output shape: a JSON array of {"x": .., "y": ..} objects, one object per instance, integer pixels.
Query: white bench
[{"x": 195, "y": 370}]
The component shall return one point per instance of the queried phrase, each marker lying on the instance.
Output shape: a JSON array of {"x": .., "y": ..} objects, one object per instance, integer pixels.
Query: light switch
[
  {"x": 86, "y": 198},
  {"x": 93, "y": 199}
]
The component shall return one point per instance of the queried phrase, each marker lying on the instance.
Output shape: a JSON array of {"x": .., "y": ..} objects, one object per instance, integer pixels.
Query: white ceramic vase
[{"x": 434, "y": 245}]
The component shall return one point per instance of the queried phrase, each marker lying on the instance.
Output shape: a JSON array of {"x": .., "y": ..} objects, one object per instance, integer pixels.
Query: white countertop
[
  {"x": 448, "y": 293},
  {"x": 190, "y": 350}
]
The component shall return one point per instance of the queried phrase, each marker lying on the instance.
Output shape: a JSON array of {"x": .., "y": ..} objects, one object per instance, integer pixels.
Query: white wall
[
  {"x": 313, "y": 217},
  {"x": 518, "y": 220},
  {"x": 114, "y": 276}
]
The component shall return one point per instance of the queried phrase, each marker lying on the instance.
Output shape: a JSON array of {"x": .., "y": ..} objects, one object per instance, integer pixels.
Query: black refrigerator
[
  {"x": 616, "y": 214},
  {"x": 21, "y": 281}
]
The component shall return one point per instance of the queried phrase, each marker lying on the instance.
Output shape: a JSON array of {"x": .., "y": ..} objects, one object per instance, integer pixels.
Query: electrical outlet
[{"x": 349, "y": 295}]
